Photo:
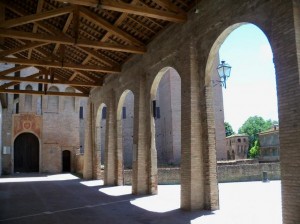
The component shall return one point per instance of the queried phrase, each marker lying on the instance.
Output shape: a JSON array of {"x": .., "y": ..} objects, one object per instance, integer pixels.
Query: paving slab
[{"x": 64, "y": 198}]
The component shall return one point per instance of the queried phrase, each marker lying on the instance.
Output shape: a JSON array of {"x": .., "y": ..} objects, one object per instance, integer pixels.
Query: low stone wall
[{"x": 227, "y": 172}]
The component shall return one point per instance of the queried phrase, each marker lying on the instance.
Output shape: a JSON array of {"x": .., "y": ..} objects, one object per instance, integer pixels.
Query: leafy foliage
[
  {"x": 228, "y": 129},
  {"x": 254, "y": 151},
  {"x": 253, "y": 126}
]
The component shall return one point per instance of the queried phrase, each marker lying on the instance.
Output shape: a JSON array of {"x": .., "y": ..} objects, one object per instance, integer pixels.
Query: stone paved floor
[{"x": 64, "y": 199}]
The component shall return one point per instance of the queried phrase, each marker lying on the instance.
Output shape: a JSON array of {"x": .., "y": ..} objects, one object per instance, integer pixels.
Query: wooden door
[{"x": 26, "y": 153}]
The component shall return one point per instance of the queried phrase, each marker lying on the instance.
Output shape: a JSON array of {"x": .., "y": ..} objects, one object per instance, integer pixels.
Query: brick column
[
  {"x": 119, "y": 153},
  {"x": 141, "y": 146},
  {"x": 88, "y": 153},
  {"x": 286, "y": 48},
  {"x": 110, "y": 172},
  {"x": 198, "y": 157}
]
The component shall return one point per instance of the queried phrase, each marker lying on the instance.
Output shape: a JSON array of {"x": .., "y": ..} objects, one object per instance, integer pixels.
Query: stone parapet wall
[{"x": 247, "y": 171}]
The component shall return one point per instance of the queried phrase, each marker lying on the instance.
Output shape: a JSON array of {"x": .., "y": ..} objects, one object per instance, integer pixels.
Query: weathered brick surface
[{"x": 190, "y": 48}]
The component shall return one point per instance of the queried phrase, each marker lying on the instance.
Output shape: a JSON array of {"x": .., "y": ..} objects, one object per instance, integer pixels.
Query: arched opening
[
  {"x": 100, "y": 141},
  {"x": 166, "y": 122},
  {"x": 66, "y": 161},
  {"x": 250, "y": 67},
  {"x": 125, "y": 118},
  {"x": 26, "y": 153}
]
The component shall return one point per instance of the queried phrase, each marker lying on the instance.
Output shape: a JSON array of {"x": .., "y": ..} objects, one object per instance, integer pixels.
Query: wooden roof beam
[
  {"x": 33, "y": 92},
  {"x": 109, "y": 27},
  {"x": 69, "y": 41},
  {"x": 132, "y": 9},
  {"x": 52, "y": 64},
  {"x": 20, "y": 49},
  {"x": 49, "y": 81},
  {"x": 9, "y": 84},
  {"x": 14, "y": 69},
  {"x": 36, "y": 17}
]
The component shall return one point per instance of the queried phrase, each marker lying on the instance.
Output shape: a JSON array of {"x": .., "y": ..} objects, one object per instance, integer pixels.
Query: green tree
[
  {"x": 228, "y": 129},
  {"x": 253, "y": 126},
  {"x": 254, "y": 151}
]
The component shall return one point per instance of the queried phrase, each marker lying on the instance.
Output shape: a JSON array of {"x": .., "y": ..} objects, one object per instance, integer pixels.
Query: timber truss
[{"x": 78, "y": 43}]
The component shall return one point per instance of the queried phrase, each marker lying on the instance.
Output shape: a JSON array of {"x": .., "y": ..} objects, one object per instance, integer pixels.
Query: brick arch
[
  {"x": 219, "y": 40},
  {"x": 153, "y": 149},
  {"x": 122, "y": 153}
]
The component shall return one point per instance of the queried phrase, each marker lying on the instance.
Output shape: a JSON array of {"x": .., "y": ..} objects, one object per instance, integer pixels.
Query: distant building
[
  {"x": 269, "y": 144},
  {"x": 237, "y": 146}
]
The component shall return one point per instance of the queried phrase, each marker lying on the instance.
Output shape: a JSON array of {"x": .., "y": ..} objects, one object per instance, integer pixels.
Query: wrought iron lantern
[{"x": 224, "y": 70}]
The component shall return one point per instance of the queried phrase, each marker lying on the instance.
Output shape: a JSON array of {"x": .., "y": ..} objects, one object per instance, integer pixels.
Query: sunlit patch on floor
[
  {"x": 92, "y": 183},
  {"x": 167, "y": 199},
  {"x": 56, "y": 177},
  {"x": 116, "y": 191}
]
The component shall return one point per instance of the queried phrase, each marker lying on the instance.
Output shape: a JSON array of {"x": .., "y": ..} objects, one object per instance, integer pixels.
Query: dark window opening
[
  {"x": 157, "y": 112},
  {"x": 124, "y": 112},
  {"x": 81, "y": 113},
  {"x": 104, "y": 113},
  {"x": 17, "y": 108}
]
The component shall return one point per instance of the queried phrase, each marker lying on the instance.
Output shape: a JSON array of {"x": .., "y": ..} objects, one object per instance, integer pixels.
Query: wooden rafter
[
  {"x": 6, "y": 85},
  {"x": 12, "y": 70},
  {"x": 33, "y": 92},
  {"x": 25, "y": 47},
  {"x": 36, "y": 17},
  {"x": 49, "y": 81},
  {"x": 35, "y": 26},
  {"x": 131, "y": 9},
  {"x": 69, "y": 41},
  {"x": 52, "y": 64},
  {"x": 112, "y": 29}
]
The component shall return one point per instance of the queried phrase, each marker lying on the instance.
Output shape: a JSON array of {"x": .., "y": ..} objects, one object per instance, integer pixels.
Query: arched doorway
[
  {"x": 165, "y": 122},
  {"x": 125, "y": 118},
  {"x": 26, "y": 153},
  {"x": 66, "y": 161}
]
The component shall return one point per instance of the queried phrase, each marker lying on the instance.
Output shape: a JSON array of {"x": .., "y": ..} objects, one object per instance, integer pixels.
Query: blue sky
[{"x": 251, "y": 88}]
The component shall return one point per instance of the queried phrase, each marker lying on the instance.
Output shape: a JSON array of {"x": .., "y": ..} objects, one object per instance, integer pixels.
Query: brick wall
[{"x": 226, "y": 173}]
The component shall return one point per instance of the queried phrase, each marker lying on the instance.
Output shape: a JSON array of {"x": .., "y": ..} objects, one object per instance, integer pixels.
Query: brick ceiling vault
[{"x": 78, "y": 43}]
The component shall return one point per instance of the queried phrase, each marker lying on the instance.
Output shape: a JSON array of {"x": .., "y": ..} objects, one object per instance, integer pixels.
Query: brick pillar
[
  {"x": 286, "y": 46},
  {"x": 198, "y": 156},
  {"x": 141, "y": 146},
  {"x": 110, "y": 172},
  {"x": 120, "y": 149},
  {"x": 88, "y": 153}
]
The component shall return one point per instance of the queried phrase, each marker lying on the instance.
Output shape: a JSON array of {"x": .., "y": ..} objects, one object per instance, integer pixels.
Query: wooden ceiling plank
[
  {"x": 52, "y": 64},
  {"x": 49, "y": 81},
  {"x": 132, "y": 9},
  {"x": 97, "y": 56},
  {"x": 49, "y": 93},
  {"x": 12, "y": 70},
  {"x": 87, "y": 14},
  {"x": 2, "y": 19},
  {"x": 167, "y": 4},
  {"x": 36, "y": 17},
  {"x": 143, "y": 11},
  {"x": 35, "y": 26},
  {"x": 65, "y": 28},
  {"x": 69, "y": 41},
  {"x": 25, "y": 47}
]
